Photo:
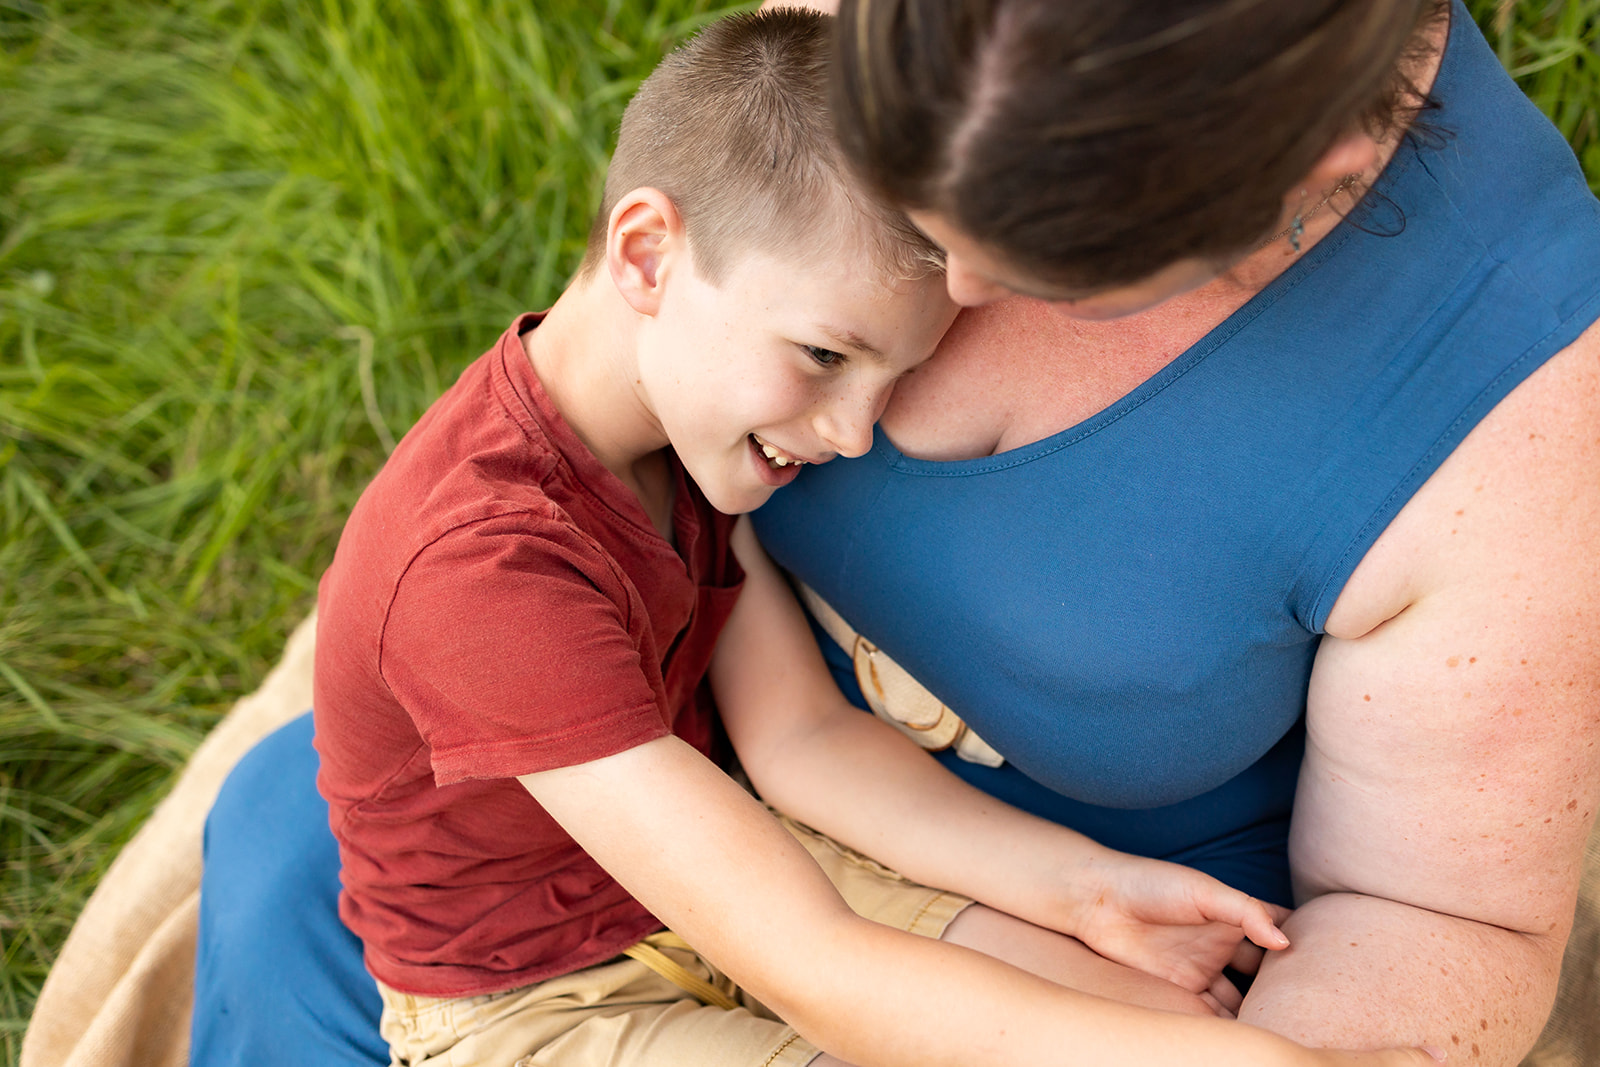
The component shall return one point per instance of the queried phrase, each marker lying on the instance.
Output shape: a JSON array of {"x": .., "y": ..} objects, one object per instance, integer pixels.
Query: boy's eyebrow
[{"x": 851, "y": 339}]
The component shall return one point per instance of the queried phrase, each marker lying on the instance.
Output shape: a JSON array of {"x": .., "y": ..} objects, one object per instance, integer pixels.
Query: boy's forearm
[
  {"x": 957, "y": 1007},
  {"x": 864, "y": 784},
  {"x": 822, "y": 761}
]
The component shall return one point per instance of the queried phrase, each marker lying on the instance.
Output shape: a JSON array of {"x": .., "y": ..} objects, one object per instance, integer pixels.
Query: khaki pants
[{"x": 624, "y": 1012}]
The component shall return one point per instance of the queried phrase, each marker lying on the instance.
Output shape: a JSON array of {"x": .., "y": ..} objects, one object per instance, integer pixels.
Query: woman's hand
[{"x": 1172, "y": 922}]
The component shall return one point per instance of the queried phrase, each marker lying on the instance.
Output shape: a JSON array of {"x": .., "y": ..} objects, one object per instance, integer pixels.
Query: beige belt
[
  {"x": 648, "y": 952},
  {"x": 896, "y": 697}
]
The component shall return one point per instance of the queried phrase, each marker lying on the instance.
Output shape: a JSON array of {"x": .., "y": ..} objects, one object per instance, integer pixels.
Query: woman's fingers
[
  {"x": 1216, "y": 1007},
  {"x": 1226, "y": 994},
  {"x": 1247, "y": 957},
  {"x": 1424, "y": 1056}
]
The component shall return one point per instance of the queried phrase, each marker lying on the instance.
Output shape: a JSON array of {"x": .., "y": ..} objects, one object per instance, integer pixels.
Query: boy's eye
[{"x": 825, "y": 356}]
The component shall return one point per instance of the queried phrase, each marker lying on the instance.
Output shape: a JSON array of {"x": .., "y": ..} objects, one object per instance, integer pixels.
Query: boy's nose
[{"x": 847, "y": 426}]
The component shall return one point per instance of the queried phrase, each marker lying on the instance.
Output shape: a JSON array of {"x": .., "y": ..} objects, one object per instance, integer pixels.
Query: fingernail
[{"x": 1436, "y": 1053}]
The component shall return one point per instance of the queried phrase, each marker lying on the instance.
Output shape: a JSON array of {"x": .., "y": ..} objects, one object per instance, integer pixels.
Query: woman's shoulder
[
  {"x": 1496, "y": 164},
  {"x": 1529, "y": 458}
]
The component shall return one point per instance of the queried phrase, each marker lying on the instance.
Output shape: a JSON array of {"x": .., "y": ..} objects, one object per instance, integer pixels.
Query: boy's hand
[{"x": 1174, "y": 922}]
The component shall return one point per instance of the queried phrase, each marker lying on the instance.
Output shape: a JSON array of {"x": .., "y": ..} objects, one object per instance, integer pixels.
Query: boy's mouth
[{"x": 776, "y": 457}]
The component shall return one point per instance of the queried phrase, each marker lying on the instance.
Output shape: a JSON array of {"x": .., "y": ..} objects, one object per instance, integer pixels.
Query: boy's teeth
[{"x": 773, "y": 457}]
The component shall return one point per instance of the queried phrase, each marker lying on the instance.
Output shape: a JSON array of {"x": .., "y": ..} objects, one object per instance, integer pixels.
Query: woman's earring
[{"x": 1297, "y": 228}]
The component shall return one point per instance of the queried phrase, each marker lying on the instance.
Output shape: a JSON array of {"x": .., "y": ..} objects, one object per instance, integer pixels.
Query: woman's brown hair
[{"x": 1091, "y": 143}]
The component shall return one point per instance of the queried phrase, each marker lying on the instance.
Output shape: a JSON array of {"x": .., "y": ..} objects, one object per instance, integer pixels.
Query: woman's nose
[{"x": 967, "y": 287}]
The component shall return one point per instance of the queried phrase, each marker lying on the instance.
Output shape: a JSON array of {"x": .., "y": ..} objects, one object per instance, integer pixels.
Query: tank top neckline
[{"x": 1300, "y": 271}]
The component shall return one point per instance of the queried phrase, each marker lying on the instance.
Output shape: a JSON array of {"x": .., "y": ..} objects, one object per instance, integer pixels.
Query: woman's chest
[
  {"x": 1016, "y": 372},
  {"x": 1080, "y": 610}
]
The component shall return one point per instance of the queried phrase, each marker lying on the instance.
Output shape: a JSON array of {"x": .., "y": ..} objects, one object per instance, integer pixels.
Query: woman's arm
[
  {"x": 709, "y": 861},
  {"x": 1453, "y": 759}
]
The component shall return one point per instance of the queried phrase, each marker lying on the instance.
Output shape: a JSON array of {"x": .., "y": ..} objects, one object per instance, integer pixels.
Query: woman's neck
[{"x": 1015, "y": 372}]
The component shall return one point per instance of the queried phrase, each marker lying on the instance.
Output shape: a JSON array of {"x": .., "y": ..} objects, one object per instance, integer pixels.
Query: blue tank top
[{"x": 1128, "y": 610}]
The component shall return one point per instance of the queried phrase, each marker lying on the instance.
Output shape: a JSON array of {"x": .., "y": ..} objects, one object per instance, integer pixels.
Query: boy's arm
[
  {"x": 819, "y": 759},
  {"x": 708, "y": 860}
]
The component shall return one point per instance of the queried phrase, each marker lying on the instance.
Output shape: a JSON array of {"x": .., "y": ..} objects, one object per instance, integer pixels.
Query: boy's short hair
[{"x": 734, "y": 127}]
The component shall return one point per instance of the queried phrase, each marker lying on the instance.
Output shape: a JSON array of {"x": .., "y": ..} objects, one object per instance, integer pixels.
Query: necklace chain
[{"x": 1298, "y": 225}]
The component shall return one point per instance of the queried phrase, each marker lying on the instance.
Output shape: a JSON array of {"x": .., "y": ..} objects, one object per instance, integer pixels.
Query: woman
[
  {"x": 1113, "y": 532},
  {"x": 1301, "y": 421}
]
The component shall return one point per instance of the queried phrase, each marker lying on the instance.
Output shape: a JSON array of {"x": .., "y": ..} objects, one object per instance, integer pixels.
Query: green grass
[
  {"x": 1553, "y": 50},
  {"x": 243, "y": 243}
]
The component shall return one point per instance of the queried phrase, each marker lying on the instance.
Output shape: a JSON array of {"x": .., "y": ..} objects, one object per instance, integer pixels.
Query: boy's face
[{"x": 787, "y": 362}]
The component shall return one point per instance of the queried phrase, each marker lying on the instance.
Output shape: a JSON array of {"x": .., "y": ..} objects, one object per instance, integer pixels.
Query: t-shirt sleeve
[{"x": 516, "y": 645}]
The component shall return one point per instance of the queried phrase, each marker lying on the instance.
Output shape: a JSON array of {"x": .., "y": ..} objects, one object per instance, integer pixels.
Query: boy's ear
[{"x": 644, "y": 243}]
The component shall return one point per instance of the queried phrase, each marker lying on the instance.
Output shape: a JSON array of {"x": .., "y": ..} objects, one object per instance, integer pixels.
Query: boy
[{"x": 515, "y": 637}]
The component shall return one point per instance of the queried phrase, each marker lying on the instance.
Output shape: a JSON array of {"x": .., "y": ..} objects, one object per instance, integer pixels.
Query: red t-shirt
[{"x": 500, "y": 604}]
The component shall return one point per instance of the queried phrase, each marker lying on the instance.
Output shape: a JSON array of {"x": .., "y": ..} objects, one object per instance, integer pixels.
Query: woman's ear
[
  {"x": 1354, "y": 153},
  {"x": 644, "y": 245}
]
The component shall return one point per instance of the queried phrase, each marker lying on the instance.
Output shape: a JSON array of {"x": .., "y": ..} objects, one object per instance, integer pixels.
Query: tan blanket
[{"x": 120, "y": 994}]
